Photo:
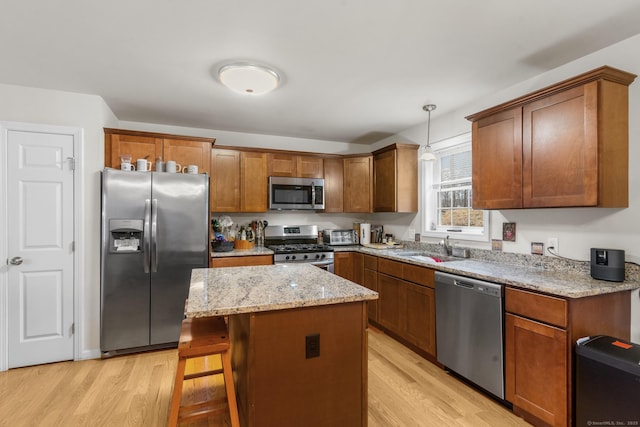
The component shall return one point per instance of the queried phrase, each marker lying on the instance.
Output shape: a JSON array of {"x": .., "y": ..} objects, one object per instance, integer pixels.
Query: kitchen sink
[
  {"x": 433, "y": 258},
  {"x": 426, "y": 257},
  {"x": 406, "y": 253}
]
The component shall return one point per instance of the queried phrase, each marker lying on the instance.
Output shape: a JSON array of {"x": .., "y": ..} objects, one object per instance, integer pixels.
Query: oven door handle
[{"x": 321, "y": 263}]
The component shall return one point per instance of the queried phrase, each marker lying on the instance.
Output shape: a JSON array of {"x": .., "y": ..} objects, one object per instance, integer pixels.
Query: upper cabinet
[
  {"x": 184, "y": 150},
  {"x": 396, "y": 178},
  {"x": 298, "y": 166},
  {"x": 358, "y": 184},
  {"x": 238, "y": 181},
  {"x": 225, "y": 180},
  {"x": 333, "y": 184},
  {"x": 562, "y": 146}
]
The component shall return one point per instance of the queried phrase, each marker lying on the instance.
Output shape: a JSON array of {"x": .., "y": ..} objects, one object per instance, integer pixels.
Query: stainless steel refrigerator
[{"x": 154, "y": 232}]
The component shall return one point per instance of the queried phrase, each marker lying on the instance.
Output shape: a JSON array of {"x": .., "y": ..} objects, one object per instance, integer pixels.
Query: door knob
[{"x": 16, "y": 260}]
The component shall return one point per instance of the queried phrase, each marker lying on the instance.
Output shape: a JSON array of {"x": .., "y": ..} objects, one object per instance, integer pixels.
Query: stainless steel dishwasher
[{"x": 470, "y": 330}]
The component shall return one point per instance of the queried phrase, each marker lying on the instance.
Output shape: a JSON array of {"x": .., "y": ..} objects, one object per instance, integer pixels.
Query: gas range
[{"x": 297, "y": 243}]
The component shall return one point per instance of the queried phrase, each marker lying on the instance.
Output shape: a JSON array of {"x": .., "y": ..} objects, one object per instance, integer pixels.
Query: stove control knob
[
  {"x": 293, "y": 257},
  {"x": 317, "y": 256},
  {"x": 323, "y": 256},
  {"x": 286, "y": 258},
  {"x": 306, "y": 256}
]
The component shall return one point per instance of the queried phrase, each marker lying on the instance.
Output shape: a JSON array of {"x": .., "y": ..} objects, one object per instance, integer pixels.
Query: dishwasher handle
[{"x": 463, "y": 284}]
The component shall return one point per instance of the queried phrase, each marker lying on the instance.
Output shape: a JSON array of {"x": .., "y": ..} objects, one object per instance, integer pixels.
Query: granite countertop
[
  {"x": 234, "y": 290},
  {"x": 242, "y": 252},
  {"x": 561, "y": 282}
]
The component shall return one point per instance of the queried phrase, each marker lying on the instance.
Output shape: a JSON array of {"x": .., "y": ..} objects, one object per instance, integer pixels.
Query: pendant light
[{"x": 427, "y": 155}]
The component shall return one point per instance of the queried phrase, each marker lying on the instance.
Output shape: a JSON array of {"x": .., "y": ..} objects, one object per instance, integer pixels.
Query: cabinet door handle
[{"x": 16, "y": 260}]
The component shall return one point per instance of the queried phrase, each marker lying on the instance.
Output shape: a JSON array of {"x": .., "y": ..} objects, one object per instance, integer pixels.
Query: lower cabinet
[
  {"x": 240, "y": 261},
  {"x": 362, "y": 269},
  {"x": 370, "y": 280},
  {"x": 406, "y": 306},
  {"x": 343, "y": 264},
  {"x": 536, "y": 369},
  {"x": 540, "y": 332},
  {"x": 391, "y": 303}
]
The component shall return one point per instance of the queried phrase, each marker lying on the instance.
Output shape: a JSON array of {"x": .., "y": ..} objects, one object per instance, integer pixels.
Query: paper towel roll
[{"x": 365, "y": 234}]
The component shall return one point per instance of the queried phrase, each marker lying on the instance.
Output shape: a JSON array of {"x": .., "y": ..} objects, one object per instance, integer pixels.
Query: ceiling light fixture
[
  {"x": 427, "y": 155},
  {"x": 248, "y": 79}
]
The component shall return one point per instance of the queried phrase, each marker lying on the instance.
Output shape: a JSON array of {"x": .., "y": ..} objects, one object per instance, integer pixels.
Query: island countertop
[{"x": 235, "y": 290}]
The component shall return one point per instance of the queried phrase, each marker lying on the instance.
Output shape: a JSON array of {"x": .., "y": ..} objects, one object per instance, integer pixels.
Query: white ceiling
[{"x": 354, "y": 70}]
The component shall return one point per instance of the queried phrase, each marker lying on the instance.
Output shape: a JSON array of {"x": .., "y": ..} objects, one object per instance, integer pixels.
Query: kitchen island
[{"x": 299, "y": 342}]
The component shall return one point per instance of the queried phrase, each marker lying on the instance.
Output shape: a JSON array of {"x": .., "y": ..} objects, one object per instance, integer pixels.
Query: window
[{"x": 448, "y": 196}]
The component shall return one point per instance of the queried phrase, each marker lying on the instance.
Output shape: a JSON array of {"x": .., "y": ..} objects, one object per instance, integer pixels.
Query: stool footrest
[
  {"x": 203, "y": 374},
  {"x": 202, "y": 410}
]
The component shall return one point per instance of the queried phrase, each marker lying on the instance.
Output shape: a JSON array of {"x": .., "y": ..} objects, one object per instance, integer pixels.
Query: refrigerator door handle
[
  {"x": 146, "y": 235},
  {"x": 154, "y": 236}
]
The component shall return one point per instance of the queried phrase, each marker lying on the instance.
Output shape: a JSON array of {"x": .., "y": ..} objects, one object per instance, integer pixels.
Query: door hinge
[
  {"x": 73, "y": 328},
  {"x": 73, "y": 246},
  {"x": 72, "y": 163}
]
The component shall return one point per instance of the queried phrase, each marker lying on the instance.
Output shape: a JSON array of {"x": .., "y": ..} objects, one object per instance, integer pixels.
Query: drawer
[
  {"x": 240, "y": 261},
  {"x": 392, "y": 268},
  {"x": 545, "y": 308},
  {"x": 411, "y": 273},
  {"x": 371, "y": 262},
  {"x": 420, "y": 275}
]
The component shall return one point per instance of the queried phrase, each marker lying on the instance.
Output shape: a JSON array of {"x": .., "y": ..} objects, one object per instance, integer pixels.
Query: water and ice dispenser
[{"x": 125, "y": 235}]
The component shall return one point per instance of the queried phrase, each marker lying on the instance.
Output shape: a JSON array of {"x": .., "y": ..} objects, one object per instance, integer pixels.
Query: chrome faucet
[{"x": 446, "y": 245}]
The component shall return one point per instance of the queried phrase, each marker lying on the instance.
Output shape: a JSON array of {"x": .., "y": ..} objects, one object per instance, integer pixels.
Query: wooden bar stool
[{"x": 201, "y": 337}]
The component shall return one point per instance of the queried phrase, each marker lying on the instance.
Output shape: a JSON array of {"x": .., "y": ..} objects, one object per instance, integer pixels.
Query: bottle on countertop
[
  {"x": 259, "y": 234},
  {"x": 243, "y": 234}
]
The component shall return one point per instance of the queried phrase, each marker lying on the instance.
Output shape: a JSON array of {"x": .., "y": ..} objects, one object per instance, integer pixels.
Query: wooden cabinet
[
  {"x": 238, "y": 181},
  {"x": 188, "y": 152},
  {"x": 253, "y": 182},
  {"x": 184, "y": 150},
  {"x": 565, "y": 145},
  {"x": 391, "y": 303},
  {"x": 350, "y": 266},
  {"x": 293, "y": 165},
  {"x": 333, "y": 184},
  {"x": 358, "y": 184},
  {"x": 362, "y": 269},
  {"x": 396, "y": 178},
  {"x": 497, "y": 161},
  {"x": 406, "y": 304},
  {"x": 343, "y": 265},
  {"x": 240, "y": 261},
  {"x": 225, "y": 180},
  {"x": 540, "y": 331},
  {"x": 542, "y": 394},
  {"x": 357, "y": 260},
  {"x": 370, "y": 280}
]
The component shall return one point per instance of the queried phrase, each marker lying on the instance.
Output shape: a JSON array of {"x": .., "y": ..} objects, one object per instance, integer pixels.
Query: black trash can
[{"x": 607, "y": 382}]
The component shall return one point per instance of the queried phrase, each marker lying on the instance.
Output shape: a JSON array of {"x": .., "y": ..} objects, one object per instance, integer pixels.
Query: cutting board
[{"x": 381, "y": 246}]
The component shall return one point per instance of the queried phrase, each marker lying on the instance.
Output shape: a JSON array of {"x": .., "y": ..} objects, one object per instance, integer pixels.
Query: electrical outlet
[
  {"x": 312, "y": 346},
  {"x": 552, "y": 244}
]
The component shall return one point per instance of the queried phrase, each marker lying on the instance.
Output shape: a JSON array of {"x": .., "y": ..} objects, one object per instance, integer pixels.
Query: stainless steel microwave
[{"x": 296, "y": 193}]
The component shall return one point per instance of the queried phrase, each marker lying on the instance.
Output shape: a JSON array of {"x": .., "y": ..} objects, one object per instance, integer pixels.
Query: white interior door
[{"x": 40, "y": 270}]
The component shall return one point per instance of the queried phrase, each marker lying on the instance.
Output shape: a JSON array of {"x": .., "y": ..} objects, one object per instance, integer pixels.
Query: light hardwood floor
[{"x": 135, "y": 390}]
